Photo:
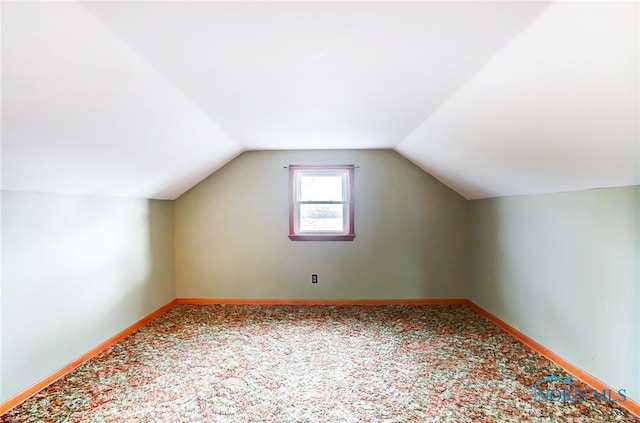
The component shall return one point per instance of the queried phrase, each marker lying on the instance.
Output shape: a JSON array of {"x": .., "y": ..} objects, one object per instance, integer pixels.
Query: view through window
[{"x": 321, "y": 202}]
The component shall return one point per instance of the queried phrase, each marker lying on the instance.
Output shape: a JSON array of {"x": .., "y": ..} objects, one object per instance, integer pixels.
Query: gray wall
[
  {"x": 231, "y": 233},
  {"x": 76, "y": 271},
  {"x": 563, "y": 269}
]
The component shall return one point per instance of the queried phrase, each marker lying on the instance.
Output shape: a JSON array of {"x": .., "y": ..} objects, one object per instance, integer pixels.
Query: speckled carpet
[{"x": 217, "y": 363}]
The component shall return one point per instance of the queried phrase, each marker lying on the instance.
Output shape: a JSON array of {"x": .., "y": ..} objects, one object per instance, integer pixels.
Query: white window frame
[{"x": 295, "y": 174}]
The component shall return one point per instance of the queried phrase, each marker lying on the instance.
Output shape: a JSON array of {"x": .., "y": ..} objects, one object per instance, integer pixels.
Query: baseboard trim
[
  {"x": 570, "y": 368},
  {"x": 48, "y": 380},
  {"x": 301, "y": 301}
]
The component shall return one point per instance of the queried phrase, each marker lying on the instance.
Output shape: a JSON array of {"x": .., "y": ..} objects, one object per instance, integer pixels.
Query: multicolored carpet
[{"x": 230, "y": 363}]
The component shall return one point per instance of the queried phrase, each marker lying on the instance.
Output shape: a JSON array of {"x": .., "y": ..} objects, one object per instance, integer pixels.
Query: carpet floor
[{"x": 235, "y": 363}]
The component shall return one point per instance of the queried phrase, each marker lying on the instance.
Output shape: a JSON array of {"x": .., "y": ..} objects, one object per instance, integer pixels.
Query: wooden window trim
[{"x": 350, "y": 234}]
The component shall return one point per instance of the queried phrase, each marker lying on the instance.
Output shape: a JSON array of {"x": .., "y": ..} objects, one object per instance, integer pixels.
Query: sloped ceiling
[{"x": 144, "y": 99}]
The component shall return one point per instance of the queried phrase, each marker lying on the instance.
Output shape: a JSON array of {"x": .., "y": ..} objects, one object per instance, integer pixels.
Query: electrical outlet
[{"x": 314, "y": 278}]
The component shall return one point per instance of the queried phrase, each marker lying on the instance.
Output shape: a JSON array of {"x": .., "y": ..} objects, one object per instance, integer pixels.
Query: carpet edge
[
  {"x": 24, "y": 395},
  {"x": 595, "y": 383}
]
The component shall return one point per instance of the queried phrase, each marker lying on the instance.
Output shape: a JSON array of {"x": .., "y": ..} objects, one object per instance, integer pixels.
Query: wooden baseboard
[
  {"x": 575, "y": 371},
  {"x": 48, "y": 380},
  {"x": 301, "y": 301},
  {"x": 570, "y": 368},
  {"x": 43, "y": 383}
]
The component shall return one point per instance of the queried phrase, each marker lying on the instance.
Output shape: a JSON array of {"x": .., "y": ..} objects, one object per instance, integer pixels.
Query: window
[{"x": 321, "y": 203}]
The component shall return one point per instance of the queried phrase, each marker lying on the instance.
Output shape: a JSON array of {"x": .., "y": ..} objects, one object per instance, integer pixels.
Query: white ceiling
[{"x": 145, "y": 99}]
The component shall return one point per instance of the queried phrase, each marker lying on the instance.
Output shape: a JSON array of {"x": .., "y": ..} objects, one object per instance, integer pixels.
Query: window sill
[{"x": 348, "y": 237}]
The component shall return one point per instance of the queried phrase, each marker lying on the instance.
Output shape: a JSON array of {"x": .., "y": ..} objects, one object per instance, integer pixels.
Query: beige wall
[
  {"x": 231, "y": 233},
  {"x": 76, "y": 271},
  {"x": 563, "y": 269}
]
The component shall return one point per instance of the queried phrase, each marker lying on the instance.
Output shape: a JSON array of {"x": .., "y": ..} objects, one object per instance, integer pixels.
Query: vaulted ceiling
[{"x": 145, "y": 99}]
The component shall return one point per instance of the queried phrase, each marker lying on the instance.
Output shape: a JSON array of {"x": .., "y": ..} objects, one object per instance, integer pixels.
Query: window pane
[
  {"x": 321, "y": 188},
  {"x": 321, "y": 217}
]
